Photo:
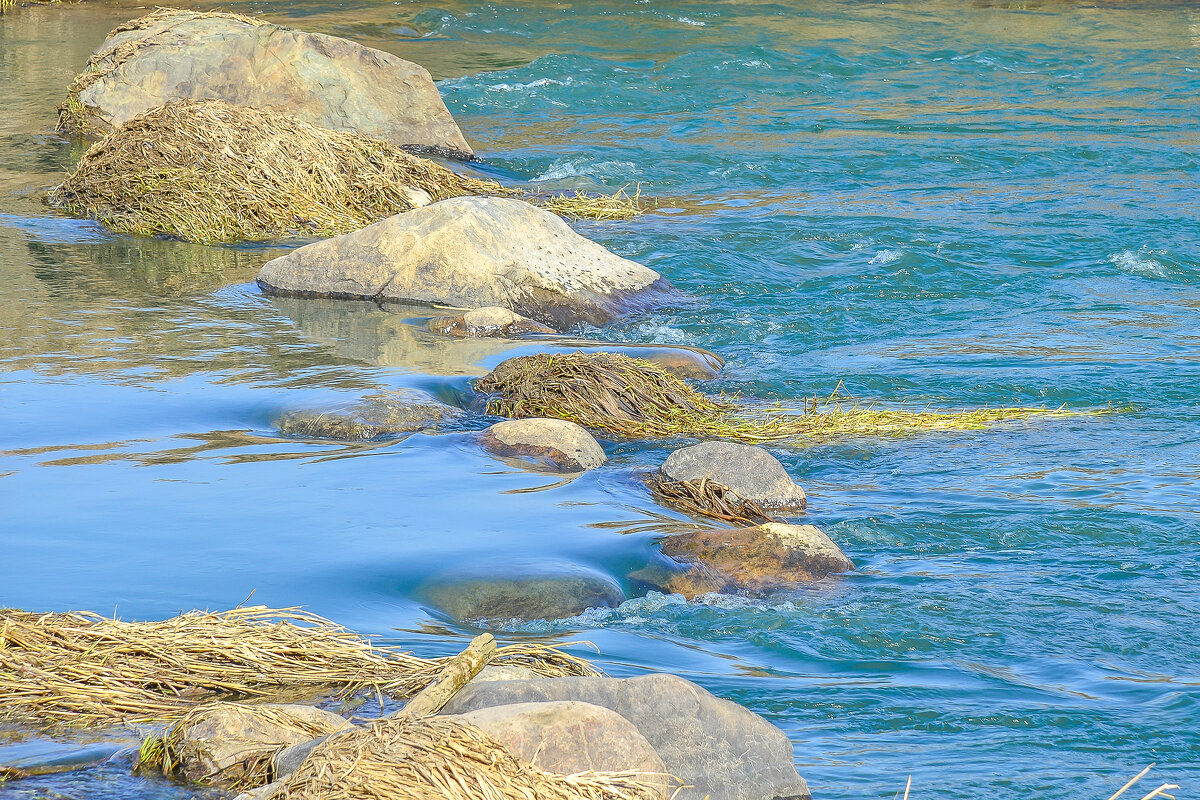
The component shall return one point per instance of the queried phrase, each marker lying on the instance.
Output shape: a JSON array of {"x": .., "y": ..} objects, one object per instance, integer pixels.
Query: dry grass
[
  {"x": 708, "y": 499},
  {"x": 209, "y": 171},
  {"x": 78, "y": 668},
  {"x": 417, "y": 758},
  {"x": 620, "y": 395},
  {"x": 619, "y": 205}
]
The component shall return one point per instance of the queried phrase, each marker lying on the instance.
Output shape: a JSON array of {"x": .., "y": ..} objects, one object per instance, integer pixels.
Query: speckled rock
[
  {"x": 753, "y": 560},
  {"x": 721, "y": 749},
  {"x": 553, "y": 443},
  {"x": 751, "y": 472},
  {"x": 568, "y": 737},
  {"x": 471, "y": 252},
  {"x": 381, "y": 414},
  {"x": 322, "y": 80},
  {"x": 484, "y": 322}
]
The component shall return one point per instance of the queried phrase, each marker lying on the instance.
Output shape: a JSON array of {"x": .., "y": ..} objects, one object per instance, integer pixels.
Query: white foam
[
  {"x": 1138, "y": 263},
  {"x": 886, "y": 256},
  {"x": 521, "y": 87}
]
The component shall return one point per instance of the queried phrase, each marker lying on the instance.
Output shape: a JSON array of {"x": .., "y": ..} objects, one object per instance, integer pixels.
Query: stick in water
[{"x": 457, "y": 673}]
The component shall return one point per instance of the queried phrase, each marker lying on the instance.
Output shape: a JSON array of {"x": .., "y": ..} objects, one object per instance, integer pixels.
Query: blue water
[{"x": 943, "y": 204}]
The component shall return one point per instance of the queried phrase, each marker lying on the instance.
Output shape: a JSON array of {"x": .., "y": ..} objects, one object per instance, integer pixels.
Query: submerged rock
[
  {"x": 230, "y": 744},
  {"x": 322, "y": 80},
  {"x": 568, "y": 737},
  {"x": 525, "y": 598},
  {"x": 398, "y": 411},
  {"x": 692, "y": 363},
  {"x": 721, "y": 749},
  {"x": 760, "y": 559},
  {"x": 485, "y": 322},
  {"x": 555, "y": 443},
  {"x": 470, "y": 252},
  {"x": 751, "y": 472}
]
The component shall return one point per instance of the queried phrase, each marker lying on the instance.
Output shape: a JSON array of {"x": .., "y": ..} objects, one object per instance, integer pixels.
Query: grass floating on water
[
  {"x": 82, "y": 669},
  {"x": 629, "y": 397}
]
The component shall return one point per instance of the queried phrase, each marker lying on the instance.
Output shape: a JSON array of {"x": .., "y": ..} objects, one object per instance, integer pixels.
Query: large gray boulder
[
  {"x": 568, "y": 737},
  {"x": 722, "y": 749},
  {"x": 322, "y": 80},
  {"x": 380, "y": 414},
  {"x": 751, "y": 472},
  {"x": 469, "y": 252},
  {"x": 764, "y": 558},
  {"x": 524, "y": 598},
  {"x": 554, "y": 443}
]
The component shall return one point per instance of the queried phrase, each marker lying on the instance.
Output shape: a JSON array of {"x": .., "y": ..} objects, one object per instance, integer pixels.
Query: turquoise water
[{"x": 927, "y": 204}]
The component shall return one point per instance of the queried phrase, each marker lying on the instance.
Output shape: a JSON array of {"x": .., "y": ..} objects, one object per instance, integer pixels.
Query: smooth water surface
[{"x": 933, "y": 204}]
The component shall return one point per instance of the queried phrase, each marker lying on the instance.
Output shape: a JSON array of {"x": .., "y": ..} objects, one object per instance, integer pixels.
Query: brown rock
[
  {"x": 759, "y": 559},
  {"x": 484, "y": 322},
  {"x": 568, "y": 737}
]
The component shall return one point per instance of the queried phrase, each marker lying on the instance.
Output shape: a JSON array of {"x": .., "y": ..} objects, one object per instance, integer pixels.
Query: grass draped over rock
[
  {"x": 404, "y": 757},
  {"x": 208, "y": 171},
  {"x": 616, "y": 394},
  {"x": 707, "y": 498},
  {"x": 81, "y": 669}
]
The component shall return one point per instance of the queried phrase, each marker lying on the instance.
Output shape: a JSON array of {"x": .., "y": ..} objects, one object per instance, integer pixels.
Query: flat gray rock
[
  {"x": 724, "y": 750},
  {"x": 555, "y": 443},
  {"x": 381, "y": 414},
  {"x": 323, "y": 80},
  {"x": 470, "y": 252},
  {"x": 751, "y": 472}
]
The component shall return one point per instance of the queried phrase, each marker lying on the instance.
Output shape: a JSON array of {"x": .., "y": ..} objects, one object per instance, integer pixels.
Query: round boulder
[
  {"x": 527, "y": 598},
  {"x": 382, "y": 414},
  {"x": 764, "y": 558},
  {"x": 751, "y": 472},
  {"x": 555, "y": 443},
  {"x": 568, "y": 737},
  {"x": 491, "y": 321}
]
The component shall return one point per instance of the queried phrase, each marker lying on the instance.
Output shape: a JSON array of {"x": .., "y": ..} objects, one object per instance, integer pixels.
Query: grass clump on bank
[
  {"x": 80, "y": 669},
  {"x": 208, "y": 171},
  {"x": 620, "y": 395},
  {"x": 406, "y": 757}
]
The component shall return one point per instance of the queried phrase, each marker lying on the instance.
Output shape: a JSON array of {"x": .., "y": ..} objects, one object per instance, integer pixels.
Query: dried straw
[
  {"x": 418, "y": 758},
  {"x": 79, "y": 668},
  {"x": 707, "y": 498},
  {"x": 619, "y": 205},
  {"x": 208, "y": 171},
  {"x": 629, "y": 397}
]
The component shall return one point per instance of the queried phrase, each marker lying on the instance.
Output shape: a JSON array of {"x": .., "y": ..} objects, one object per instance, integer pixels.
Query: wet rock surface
[
  {"x": 490, "y": 321},
  {"x": 471, "y": 252},
  {"x": 228, "y": 743},
  {"x": 550, "y": 443},
  {"x": 722, "y": 749},
  {"x": 751, "y": 472},
  {"x": 381, "y": 414},
  {"x": 323, "y": 80},
  {"x": 568, "y": 737},
  {"x": 755, "y": 560},
  {"x": 524, "y": 598}
]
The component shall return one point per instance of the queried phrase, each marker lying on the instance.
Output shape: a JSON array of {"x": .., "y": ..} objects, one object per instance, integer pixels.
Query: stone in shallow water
[
  {"x": 323, "y": 80},
  {"x": 227, "y": 742},
  {"x": 399, "y": 411},
  {"x": 525, "y": 598},
  {"x": 486, "y": 322},
  {"x": 760, "y": 559},
  {"x": 470, "y": 252},
  {"x": 722, "y": 749},
  {"x": 555, "y": 443},
  {"x": 751, "y": 472},
  {"x": 568, "y": 737}
]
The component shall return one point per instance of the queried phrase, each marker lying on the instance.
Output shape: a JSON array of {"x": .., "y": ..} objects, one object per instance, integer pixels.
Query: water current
[{"x": 926, "y": 204}]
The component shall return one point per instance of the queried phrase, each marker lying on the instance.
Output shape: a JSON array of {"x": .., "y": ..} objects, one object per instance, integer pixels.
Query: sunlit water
[{"x": 937, "y": 204}]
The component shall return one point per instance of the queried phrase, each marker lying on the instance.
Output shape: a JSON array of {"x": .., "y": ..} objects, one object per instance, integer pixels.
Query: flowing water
[{"x": 943, "y": 204}]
